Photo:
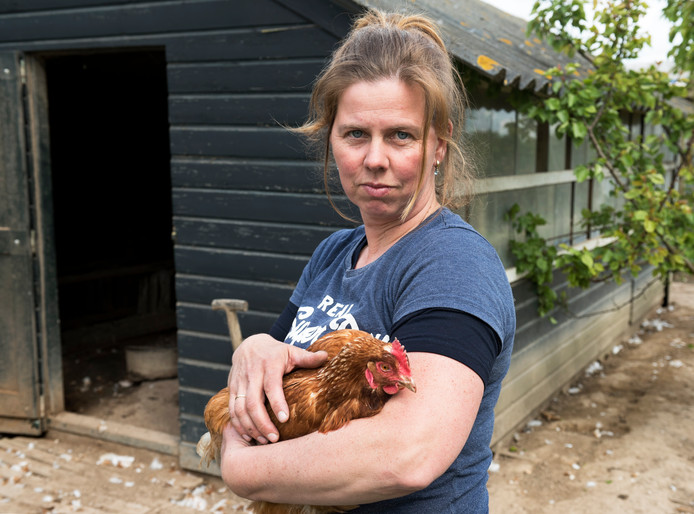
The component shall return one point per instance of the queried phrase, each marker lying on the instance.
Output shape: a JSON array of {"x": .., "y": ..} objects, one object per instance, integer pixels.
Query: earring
[{"x": 436, "y": 167}]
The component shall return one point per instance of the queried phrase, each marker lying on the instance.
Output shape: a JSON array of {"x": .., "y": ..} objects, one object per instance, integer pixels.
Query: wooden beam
[
  {"x": 529, "y": 181},
  {"x": 129, "y": 435},
  {"x": 189, "y": 459},
  {"x": 21, "y": 426}
]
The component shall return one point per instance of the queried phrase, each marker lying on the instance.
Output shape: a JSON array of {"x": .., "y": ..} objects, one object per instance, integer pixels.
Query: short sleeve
[
  {"x": 451, "y": 333},
  {"x": 456, "y": 269}
]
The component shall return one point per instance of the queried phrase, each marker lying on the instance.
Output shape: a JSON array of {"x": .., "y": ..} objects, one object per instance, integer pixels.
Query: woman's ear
[{"x": 442, "y": 145}]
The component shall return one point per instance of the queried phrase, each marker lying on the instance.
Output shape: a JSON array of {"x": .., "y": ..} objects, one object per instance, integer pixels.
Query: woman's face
[{"x": 377, "y": 143}]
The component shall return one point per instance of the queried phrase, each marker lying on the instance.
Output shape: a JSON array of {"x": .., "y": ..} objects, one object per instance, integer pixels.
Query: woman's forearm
[{"x": 317, "y": 469}]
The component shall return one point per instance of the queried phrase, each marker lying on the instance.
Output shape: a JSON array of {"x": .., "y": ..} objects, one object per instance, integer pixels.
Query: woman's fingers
[
  {"x": 259, "y": 360},
  {"x": 245, "y": 425},
  {"x": 297, "y": 358},
  {"x": 276, "y": 399},
  {"x": 261, "y": 427},
  {"x": 236, "y": 423},
  {"x": 300, "y": 358},
  {"x": 249, "y": 417},
  {"x": 259, "y": 365}
]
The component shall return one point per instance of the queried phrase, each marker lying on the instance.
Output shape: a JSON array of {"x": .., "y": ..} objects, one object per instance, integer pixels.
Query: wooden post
[{"x": 231, "y": 307}]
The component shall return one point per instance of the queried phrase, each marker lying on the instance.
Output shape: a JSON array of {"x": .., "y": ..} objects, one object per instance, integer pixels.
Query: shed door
[{"x": 20, "y": 410}]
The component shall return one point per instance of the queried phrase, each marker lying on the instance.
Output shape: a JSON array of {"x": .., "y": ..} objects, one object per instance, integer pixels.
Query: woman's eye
[
  {"x": 402, "y": 136},
  {"x": 356, "y": 133}
]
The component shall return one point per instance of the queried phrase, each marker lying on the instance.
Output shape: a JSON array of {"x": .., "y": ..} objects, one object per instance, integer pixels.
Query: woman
[{"x": 388, "y": 110}]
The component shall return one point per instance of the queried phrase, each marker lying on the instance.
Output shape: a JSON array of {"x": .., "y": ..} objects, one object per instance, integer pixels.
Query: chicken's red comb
[{"x": 401, "y": 356}]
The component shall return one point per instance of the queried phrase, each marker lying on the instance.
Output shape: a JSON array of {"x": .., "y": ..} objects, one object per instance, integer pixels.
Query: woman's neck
[{"x": 381, "y": 237}]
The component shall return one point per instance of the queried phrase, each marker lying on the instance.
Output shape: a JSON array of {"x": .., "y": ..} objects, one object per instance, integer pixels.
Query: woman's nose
[{"x": 376, "y": 157}]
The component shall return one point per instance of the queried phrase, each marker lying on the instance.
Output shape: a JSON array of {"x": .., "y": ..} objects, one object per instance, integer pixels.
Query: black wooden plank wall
[
  {"x": 249, "y": 209},
  {"x": 247, "y": 201}
]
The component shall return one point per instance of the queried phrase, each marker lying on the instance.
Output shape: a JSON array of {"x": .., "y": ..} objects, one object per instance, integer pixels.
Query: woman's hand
[
  {"x": 232, "y": 441},
  {"x": 258, "y": 366}
]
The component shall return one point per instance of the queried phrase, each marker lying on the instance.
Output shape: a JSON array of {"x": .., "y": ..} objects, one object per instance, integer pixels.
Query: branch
[
  {"x": 685, "y": 153},
  {"x": 596, "y": 143},
  {"x": 617, "y": 306},
  {"x": 599, "y": 114},
  {"x": 598, "y": 147},
  {"x": 685, "y": 157},
  {"x": 601, "y": 154},
  {"x": 689, "y": 264},
  {"x": 588, "y": 57},
  {"x": 613, "y": 173},
  {"x": 675, "y": 176}
]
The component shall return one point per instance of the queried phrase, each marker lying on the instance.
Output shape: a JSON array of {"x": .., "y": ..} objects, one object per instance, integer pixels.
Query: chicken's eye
[{"x": 385, "y": 368}]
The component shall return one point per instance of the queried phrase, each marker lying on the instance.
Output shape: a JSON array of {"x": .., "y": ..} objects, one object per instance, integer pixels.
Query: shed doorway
[{"x": 112, "y": 218}]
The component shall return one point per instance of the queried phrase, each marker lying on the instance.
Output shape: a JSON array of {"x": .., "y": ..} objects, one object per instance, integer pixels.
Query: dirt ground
[
  {"x": 66, "y": 473},
  {"x": 621, "y": 438},
  {"x": 97, "y": 383}
]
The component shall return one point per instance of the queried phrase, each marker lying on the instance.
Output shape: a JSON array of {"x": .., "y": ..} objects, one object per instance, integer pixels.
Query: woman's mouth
[{"x": 377, "y": 190}]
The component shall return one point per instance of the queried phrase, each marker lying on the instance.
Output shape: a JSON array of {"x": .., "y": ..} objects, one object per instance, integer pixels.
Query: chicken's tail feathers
[{"x": 205, "y": 450}]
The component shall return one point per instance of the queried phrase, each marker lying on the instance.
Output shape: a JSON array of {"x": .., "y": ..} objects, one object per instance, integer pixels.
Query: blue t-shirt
[{"x": 443, "y": 264}]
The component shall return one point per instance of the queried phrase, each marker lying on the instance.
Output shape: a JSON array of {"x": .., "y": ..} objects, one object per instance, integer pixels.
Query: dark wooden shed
[{"x": 145, "y": 171}]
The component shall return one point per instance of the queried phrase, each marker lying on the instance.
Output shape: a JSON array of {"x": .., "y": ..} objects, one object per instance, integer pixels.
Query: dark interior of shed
[{"x": 112, "y": 219}]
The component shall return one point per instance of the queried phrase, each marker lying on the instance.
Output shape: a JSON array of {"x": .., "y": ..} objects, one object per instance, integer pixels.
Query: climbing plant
[{"x": 650, "y": 218}]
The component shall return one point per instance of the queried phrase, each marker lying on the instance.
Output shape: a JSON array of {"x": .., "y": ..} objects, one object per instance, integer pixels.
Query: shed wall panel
[
  {"x": 193, "y": 402},
  {"x": 246, "y": 174},
  {"x": 270, "y": 110},
  {"x": 192, "y": 429},
  {"x": 202, "y": 290},
  {"x": 298, "y": 41},
  {"x": 15, "y": 6},
  {"x": 293, "y": 75},
  {"x": 199, "y": 318},
  {"x": 253, "y": 266},
  {"x": 256, "y": 206},
  {"x": 581, "y": 304},
  {"x": 214, "y": 349},
  {"x": 555, "y": 355},
  {"x": 144, "y": 18},
  {"x": 269, "y": 237},
  {"x": 200, "y": 375},
  {"x": 236, "y": 141}
]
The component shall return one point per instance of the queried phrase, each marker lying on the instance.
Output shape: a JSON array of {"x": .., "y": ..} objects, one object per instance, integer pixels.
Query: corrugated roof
[{"x": 487, "y": 39}]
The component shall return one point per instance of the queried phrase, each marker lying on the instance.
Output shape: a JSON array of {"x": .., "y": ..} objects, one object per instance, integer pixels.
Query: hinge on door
[
  {"x": 32, "y": 241},
  {"x": 23, "y": 71}
]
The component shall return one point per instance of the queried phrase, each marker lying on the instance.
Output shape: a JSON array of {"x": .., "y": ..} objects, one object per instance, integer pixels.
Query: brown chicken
[{"x": 359, "y": 377}]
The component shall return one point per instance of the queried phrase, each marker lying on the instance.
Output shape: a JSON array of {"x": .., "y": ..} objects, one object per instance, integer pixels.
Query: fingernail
[
  {"x": 262, "y": 440},
  {"x": 282, "y": 416},
  {"x": 246, "y": 438},
  {"x": 273, "y": 437}
]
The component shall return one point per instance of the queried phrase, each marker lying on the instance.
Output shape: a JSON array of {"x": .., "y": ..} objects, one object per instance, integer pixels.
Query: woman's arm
[{"x": 401, "y": 450}]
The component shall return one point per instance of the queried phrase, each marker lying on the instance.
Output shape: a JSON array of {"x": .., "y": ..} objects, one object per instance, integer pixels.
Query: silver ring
[{"x": 240, "y": 396}]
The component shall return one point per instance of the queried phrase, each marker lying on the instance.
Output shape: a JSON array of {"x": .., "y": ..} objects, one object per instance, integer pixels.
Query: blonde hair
[{"x": 409, "y": 48}]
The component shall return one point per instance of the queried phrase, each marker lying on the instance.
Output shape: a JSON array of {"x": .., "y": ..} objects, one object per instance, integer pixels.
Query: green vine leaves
[{"x": 649, "y": 219}]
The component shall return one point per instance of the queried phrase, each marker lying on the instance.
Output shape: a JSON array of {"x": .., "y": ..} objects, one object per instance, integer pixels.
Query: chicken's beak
[{"x": 408, "y": 382}]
